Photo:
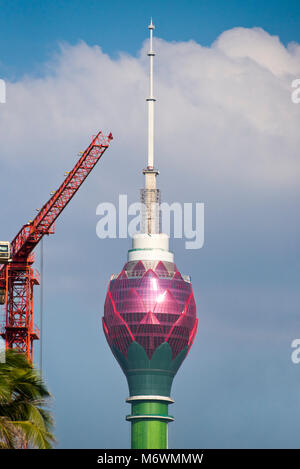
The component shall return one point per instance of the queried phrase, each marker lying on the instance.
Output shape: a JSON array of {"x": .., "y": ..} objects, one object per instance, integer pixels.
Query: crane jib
[{"x": 18, "y": 277}]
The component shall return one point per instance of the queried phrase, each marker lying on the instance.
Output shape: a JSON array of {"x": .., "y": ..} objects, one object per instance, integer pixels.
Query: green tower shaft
[
  {"x": 149, "y": 421},
  {"x": 149, "y": 382}
]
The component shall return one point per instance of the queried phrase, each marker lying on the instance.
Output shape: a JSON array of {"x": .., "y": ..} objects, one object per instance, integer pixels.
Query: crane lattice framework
[{"x": 18, "y": 277}]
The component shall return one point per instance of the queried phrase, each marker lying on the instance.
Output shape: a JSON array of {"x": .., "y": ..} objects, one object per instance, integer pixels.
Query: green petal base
[{"x": 149, "y": 377}]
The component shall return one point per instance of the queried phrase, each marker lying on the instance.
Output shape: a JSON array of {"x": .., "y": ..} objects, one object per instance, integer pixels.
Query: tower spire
[{"x": 150, "y": 196}]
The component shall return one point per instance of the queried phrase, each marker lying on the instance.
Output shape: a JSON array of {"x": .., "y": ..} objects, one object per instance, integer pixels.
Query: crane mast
[{"x": 18, "y": 277}]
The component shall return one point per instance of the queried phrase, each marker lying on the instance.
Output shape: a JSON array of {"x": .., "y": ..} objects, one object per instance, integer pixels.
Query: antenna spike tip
[{"x": 151, "y": 25}]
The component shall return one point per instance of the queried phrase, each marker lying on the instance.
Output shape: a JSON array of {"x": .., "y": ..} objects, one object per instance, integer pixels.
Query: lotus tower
[{"x": 150, "y": 314}]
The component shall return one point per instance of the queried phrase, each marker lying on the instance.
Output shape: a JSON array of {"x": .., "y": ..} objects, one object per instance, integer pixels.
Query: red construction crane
[{"x": 17, "y": 278}]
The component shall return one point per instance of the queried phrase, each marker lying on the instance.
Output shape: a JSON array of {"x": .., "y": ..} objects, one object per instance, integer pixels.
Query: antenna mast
[
  {"x": 150, "y": 196},
  {"x": 151, "y": 101}
]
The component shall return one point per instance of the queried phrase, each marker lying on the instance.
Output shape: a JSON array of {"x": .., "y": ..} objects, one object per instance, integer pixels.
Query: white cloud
[
  {"x": 226, "y": 108},
  {"x": 260, "y": 47},
  {"x": 227, "y": 134}
]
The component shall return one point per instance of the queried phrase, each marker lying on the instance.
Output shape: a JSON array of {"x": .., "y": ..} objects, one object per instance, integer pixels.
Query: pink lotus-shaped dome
[{"x": 150, "y": 303}]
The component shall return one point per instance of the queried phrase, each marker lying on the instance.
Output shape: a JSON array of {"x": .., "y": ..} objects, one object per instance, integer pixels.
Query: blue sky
[
  {"x": 227, "y": 134},
  {"x": 31, "y": 30}
]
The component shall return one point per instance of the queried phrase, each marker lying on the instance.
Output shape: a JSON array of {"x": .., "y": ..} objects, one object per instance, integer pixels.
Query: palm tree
[{"x": 25, "y": 421}]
